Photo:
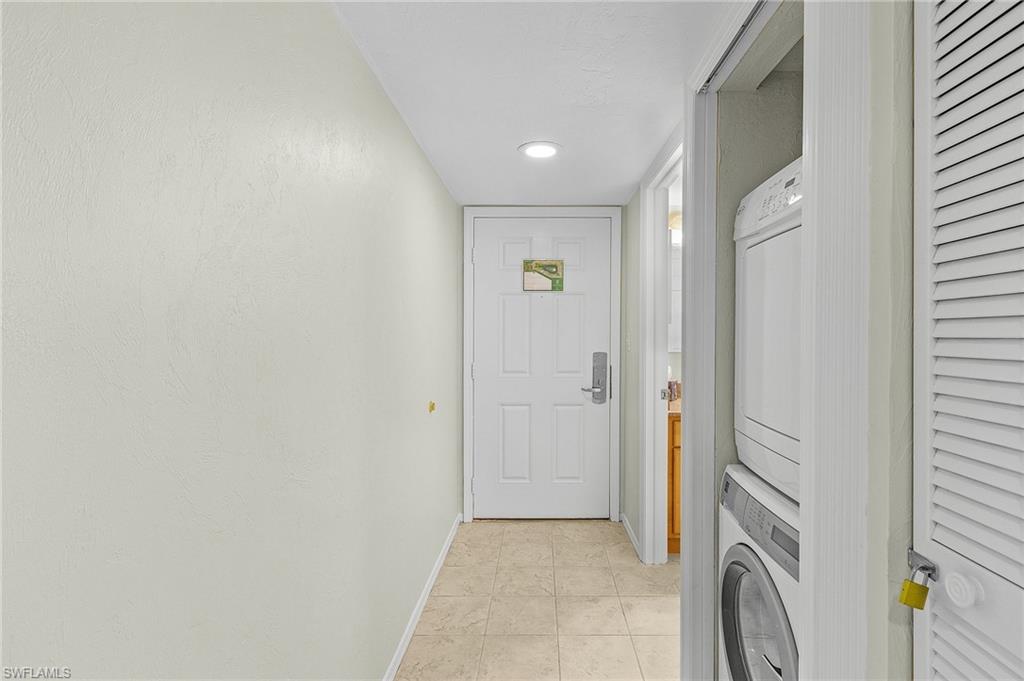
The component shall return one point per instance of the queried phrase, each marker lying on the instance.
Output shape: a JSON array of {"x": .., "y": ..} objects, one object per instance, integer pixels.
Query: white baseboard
[
  {"x": 414, "y": 619},
  {"x": 632, "y": 536}
]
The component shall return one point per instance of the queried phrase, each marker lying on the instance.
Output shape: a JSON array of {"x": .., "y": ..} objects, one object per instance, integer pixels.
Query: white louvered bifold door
[{"x": 969, "y": 337}]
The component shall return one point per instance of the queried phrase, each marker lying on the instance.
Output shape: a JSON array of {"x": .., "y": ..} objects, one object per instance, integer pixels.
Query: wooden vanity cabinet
[{"x": 675, "y": 465}]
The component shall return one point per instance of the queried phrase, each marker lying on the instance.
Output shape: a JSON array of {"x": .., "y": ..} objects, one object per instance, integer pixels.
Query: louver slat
[
  {"x": 979, "y": 205},
  {"x": 990, "y": 455},
  {"x": 985, "y": 223},
  {"x": 947, "y": 9},
  {"x": 981, "y": 244},
  {"x": 970, "y": 18},
  {"x": 997, "y": 661},
  {"x": 969, "y": 267},
  {"x": 986, "y": 348},
  {"x": 982, "y": 82},
  {"x": 977, "y": 429},
  {"x": 973, "y": 37},
  {"x": 1001, "y": 500},
  {"x": 990, "y": 667},
  {"x": 981, "y": 410},
  {"x": 1006, "y": 328},
  {"x": 988, "y": 111},
  {"x": 988, "y": 181},
  {"x": 975, "y": 548},
  {"x": 997, "y": 41},
  {"x": 987, "y": 306},
  {"x": 972, "y": 388},
  {"x": 983, "y": 370},
  {"x": 981, "y": 163},
  {"x": 963, "y": 664},
  {"x": 983, "y": 69},
  {"x": 1004, "y": 523}
]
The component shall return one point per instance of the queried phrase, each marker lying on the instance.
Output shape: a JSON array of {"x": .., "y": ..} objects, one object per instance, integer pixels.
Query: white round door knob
[{"x": 963, "y": 591}]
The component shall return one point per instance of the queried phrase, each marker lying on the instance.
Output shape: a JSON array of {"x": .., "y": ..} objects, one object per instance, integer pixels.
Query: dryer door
[{"x": 759, "y": 642}]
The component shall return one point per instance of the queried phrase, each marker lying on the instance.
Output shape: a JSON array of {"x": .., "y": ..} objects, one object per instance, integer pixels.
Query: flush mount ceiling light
[{"x": 539, "y": 149}]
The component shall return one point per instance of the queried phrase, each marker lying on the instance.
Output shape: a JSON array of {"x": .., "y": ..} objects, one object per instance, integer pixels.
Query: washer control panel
[{"x": 779, "y": 539}]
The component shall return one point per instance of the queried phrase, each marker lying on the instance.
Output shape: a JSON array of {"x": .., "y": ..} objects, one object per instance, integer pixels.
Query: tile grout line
[
  {"x": 632, "y": 642},
  {"x": 490, "y": 602},
  {"x": 554, "y": 597}
]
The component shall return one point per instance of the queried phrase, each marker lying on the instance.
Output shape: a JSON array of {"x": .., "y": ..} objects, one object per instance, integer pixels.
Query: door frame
[
  {"x": 698, "y": 543},
  {"x": 614, "y": 216},
  {"x": 655, "y": 282},
  {"x": 841, "y": 469}
]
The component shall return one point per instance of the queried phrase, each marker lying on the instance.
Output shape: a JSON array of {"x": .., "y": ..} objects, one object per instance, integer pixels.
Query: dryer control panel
[
  {"x": 774, "y": 200},
  {"x": 781, "y": 193},
  {"x": 779, "y": 539}
]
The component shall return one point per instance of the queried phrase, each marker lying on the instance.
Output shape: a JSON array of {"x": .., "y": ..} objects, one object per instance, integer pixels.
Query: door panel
[
  {"x": 969, "y": 345},
  {"x": 540, "y": 444}
]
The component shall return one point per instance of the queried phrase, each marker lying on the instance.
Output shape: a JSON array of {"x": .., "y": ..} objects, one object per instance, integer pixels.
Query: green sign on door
[{"x": 543, "y": 275}]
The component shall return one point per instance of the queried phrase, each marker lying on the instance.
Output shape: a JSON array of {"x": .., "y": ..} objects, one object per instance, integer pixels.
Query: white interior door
[
  {"x": 969, "y": 396},
  {"x": 541, "y": 445}
]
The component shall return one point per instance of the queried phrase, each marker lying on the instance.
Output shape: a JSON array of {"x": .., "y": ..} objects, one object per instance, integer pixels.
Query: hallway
[
  {"x": 547, "y": 600},
  {"x": 299, "y": 299}
]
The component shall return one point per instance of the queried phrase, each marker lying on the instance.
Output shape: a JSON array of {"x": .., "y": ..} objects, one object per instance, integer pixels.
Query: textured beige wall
[
  {"x": 231, "y": 285},
  {"x": 759, "y": 133},
  {"x": 632, "y": 430},
  {"x": 890, "y": 341}
]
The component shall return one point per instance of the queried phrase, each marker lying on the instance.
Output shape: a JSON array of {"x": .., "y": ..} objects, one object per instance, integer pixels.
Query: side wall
[
  {"x": 890, "y": 342},
  {"x": 231, "y": 285}
]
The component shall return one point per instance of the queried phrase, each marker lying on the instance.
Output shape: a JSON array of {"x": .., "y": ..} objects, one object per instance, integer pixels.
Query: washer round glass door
[{"x": 759, "y": 643}]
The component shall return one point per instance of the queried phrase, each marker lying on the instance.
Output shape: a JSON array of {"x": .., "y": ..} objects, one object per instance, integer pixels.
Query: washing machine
[
  {"x": 768, "y": 233},
  {"x": 759, "y": 573}
]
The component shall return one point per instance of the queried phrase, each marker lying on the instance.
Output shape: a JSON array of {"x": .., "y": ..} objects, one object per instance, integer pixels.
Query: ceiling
[{"x": 473, "y": 81}]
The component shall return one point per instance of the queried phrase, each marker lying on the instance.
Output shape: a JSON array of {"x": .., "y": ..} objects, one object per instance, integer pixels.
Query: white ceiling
[{"x": 475, "y": 80}]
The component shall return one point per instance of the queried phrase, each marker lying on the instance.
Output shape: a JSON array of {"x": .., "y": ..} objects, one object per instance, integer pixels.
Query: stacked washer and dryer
[{"x": 759, "y": 537}]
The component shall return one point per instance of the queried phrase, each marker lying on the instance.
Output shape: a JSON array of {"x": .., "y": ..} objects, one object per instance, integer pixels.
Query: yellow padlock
[{"x": 914, "y": 594}]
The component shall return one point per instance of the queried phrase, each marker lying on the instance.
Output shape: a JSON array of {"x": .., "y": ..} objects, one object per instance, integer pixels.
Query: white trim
[
  {"x": 738, "y": 13},
  {"x": 614, "y": 215},
  {"x": 699, "y": 535},
  {"x": 467, "y": 366},
  {"x": 654, "y": 356},
  {"x": 414, "y": 618},
  {"x": 923, "y": 342},
  {"x": 834, "y": 461},
  {"x": 699, "y": 539}
]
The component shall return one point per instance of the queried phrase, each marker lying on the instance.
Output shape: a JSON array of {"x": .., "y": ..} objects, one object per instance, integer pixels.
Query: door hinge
[
  {"x": 472, "y": 255},
  {"x": 472, "y": 371},
  {"x": 472, "y": 485}
]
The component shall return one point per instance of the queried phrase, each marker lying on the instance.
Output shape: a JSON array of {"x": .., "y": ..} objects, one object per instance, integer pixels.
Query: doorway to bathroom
[{"x": 661, "y": 355}]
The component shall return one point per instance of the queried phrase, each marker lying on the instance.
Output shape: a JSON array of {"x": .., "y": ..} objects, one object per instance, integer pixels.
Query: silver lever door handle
[{"x": 592, "y": 390}]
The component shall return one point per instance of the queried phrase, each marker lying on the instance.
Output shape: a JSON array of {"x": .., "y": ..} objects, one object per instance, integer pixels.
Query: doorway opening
[
  {"x": 674, "y": 332},
  {"x": 747, "y": 123},
  {"x": 661, "y": 354}
]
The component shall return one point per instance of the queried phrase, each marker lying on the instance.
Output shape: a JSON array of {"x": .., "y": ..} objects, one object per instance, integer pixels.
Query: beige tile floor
[{"x": 547, "y": 600}]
